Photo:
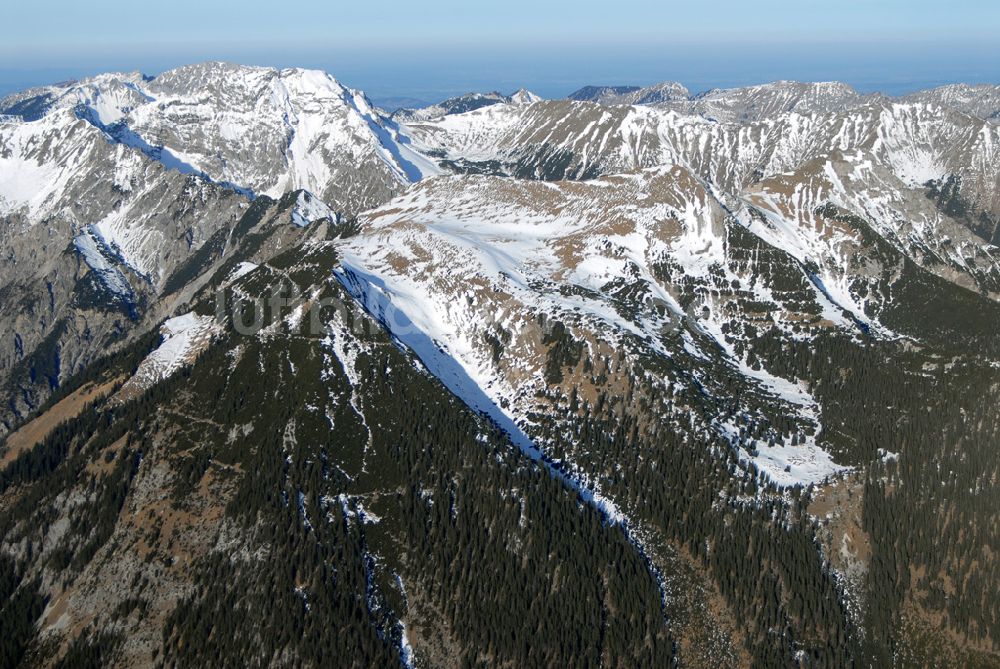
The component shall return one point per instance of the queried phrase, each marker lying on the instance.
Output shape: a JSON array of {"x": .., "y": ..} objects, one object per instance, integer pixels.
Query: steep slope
[
  {"x": 91, "y": 231},
  {"x": 346, "y": 510},
  {"x": 664, "y": 354}
]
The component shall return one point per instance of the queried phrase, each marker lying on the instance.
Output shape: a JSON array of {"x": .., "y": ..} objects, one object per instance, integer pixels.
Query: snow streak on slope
[
  {"x": 241, "y": 270},
  {"x": 393, "y": 306},
  {"x": 184, "y": 337},
  {"x": 94, "y": 254}
]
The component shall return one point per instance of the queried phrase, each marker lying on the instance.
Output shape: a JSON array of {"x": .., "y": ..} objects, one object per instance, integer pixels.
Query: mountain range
[{"x": 639, "y": 377}]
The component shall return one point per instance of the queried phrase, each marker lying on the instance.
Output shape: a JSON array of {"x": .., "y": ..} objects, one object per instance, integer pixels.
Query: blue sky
[{"x": 434, "y": 48}]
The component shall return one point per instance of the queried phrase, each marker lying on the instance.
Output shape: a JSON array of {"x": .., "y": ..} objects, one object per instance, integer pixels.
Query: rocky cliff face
[{"x": 109, "y": 185}]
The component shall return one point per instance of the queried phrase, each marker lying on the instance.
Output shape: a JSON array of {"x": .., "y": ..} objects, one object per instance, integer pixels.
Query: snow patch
[
  {"x": 241, "y": 271},
  {"x": 184, "y": 337},
  {"x": 27, "y": 184},
  {"x": 96, "y": 258},
  {"x": 309, "y": 209}
]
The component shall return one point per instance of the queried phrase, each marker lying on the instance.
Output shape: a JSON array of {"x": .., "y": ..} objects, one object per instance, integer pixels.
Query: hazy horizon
[
  {"x": 441, "y": 48},
  {"x": 431, "y": 77}
]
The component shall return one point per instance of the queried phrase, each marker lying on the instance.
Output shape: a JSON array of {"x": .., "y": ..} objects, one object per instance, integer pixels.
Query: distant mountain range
[
  {"x": 639, "y": 377},
  {"x": 465, "y": 103},
  {"x": 752, "y": 103}
]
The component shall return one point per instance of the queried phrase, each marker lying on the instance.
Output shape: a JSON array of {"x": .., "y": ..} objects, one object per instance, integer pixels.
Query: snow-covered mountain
[
  {"x": 465, "y": 103},
  {"x": 756, "y": 103},
  {"x": 262, "y": 130},
  {"x": 271, "y": 131},
  {"x": 750, "y": 104},
  {"x": 746, "y": 338},
  {"x": 524, "y": 97},
  {"x": 132, "y": 176},
  {"x": 107, "y": 96},
  {"x": 982, "y": 100},
  {"x": 576, "y": 140},
  {"x": 635, "y": 266},
  {"x": 891, "y": 153},
  {"x": 747, "y": 104},
  {"x": 666, "y": 91},
  {"x": 92, "y": 230},
  {"x": 923, "y": 178}
]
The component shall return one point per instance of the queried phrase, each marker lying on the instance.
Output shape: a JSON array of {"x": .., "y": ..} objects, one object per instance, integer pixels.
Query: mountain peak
[
  {"x": 632, "y": 95},
  {"x": 524, "y": 97},
  {"x": 465, "y": 103},
  {"x": 601, "y": 94}
]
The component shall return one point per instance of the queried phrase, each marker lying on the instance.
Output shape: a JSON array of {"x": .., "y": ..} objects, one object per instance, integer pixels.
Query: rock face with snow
[
  {"x": 927, "y": 177},
  {"x": 643, "y": 266},
  {"x": 257, "y": 129},
  {"x": 106, "y": 97},
  {"x": 653, "y": 264},
  {"x": 271, "y": 131},
  {"x": 108, "y": 186},
  {"x": 92, "y": 231},
  {"x": 750, "y": 104}
]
